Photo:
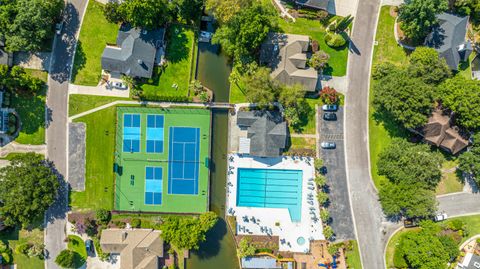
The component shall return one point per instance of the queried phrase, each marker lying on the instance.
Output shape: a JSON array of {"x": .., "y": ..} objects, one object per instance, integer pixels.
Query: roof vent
[{"x": 140, "y": 61}]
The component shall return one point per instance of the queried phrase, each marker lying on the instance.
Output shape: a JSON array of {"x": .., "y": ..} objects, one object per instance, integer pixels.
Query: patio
[{"x": 293, "y": 236}]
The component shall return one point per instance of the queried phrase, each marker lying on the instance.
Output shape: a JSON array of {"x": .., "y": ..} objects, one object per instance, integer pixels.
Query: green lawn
[
  {"x": 337, "y": 65},
  {"x": 96, "y": 32},
  {"x": 31, "y": 109},
  {"x": 465, "y": 68},
  {"x": 179, "y": 54},
  {"x": 394, "y": 241},
  {"x": 79, "y": 103},
  {"x": 77, "y": 245},
  {"x": 14, "y": 237},
  {"x": 353, "y": 256},
  {"x": 451, "y": 181},
  {"x": 99, "y": 184},
  {"x": 381, "y": 128}
]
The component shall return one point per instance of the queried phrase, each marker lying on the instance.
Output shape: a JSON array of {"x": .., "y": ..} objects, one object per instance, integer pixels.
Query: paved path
[
  {"x": 57, "y": 116},
  {"x": 100, "y": 90},
  {"x": 303, "y": 135},
  {"x": 339, "y": 83},
  {"x": 283, "y": 10},
  {"x": 14, "y": 147},
  {"x": 370, "y": 226}
]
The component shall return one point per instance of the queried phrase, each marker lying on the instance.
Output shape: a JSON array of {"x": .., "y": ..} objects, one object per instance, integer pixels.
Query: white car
[
  {"x": 328, "y": 145},
  {"x": 119, "y": 85},
  {"x": 440, "y": 217}
]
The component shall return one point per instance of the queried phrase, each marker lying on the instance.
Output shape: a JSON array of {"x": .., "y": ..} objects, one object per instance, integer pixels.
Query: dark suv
[{"x": 329, "y": 116}]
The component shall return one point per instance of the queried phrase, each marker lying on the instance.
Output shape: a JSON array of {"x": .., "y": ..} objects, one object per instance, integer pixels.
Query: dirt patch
[
  {"x": 261, "y": 242},
  {"x": 394, "y": 11}
]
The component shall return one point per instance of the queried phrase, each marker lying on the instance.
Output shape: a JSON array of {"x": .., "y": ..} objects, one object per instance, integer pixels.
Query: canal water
[{"x": 218, "y": 252}]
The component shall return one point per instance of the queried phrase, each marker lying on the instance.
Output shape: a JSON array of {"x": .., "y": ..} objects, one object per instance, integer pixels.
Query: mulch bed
[{"x": 261, "y": 241}]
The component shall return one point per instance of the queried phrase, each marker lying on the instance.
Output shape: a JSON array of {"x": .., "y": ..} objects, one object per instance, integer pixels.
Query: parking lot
[{"x": 334, "y": 160}]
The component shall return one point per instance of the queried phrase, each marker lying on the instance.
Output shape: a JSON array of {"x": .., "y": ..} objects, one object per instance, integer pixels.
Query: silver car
[
  {"x": 328, "y": 145},
  {"x": 119, "y": 85}
]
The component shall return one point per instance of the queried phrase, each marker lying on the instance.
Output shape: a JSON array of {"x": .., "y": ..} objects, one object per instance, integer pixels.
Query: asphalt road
[
  {"x": 459, "y": 204},
  {"x": 334, "y": 160},
  {"x": 57, "y": 118}
]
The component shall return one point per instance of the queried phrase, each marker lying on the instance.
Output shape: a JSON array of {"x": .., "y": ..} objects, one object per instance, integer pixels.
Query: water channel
[{"x": 218, "y": 252}]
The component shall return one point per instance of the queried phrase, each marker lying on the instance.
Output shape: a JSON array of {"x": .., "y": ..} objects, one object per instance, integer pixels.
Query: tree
[
  {"x": 417, "y": 17},
  {"x": 402, "y": 161},
  {"x": 188, "y": 10},
  {"x": 66, "y": 259},
  {"x": 407, "y": 99},
  {"x": 187, "y": 233},
  {"x": 328, "y": 232},
  {"x": 469, "y": 162},
  {"x": 245, "y": 248},
  {"x": 425, "y": 63},
  {"x": 149, "y": 14},
  {"x": 26, "y": 24},
  {"x": 408, "y": 200},
  {"x": 225, "y": 10},
  {"x": 243, "y": 34},
  {"x": 322, "y": 198},
  {"x": 320, "y": 180},
  {"x": 462, "y": 96},
  {"x": 260, "y": 88},
  {"x": 319, "y": 60},
  {"x": 324, "y": 215},
  {"x": 112, "y": 11},
  {"x": 103, "y": 216},
  {"x": 469, "y": 7},
  {"x": 329, "y": 95},
  {"x": 29, "y": 187}
]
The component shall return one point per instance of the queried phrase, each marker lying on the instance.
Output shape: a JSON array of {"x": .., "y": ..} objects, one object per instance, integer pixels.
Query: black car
[
  {"x": 89, "y": 246},
  {"x": 330, "y": 116}
]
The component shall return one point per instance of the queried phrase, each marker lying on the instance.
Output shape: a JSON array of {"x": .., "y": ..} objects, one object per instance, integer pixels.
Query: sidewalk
[
  {"x": 15, "y": 147},
  {"x": 100, "y": 90},
  {"x": 339, "y": 83}
]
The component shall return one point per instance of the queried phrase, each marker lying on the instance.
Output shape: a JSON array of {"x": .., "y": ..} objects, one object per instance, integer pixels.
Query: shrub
[
  {"x": 324, "y": 215},
  {"x": 323, "y": 16},
  {"x": 320, "y": 180},
  {"x": 380, "y": 70},
  {"x": 245, "y": 248},
  {"x": 318, "y": 163},
  {"x": 91, "y": 227},
  {"x": 457, "y": 225},
  {"x": 102, "y": 255},
  {"x": 66, "y": 259},
  {"x": 136, "y": 223},
  {"x": 103, "y": 216},
  {"x": 3, "y": 247},
  {"x": 36, "y": 250},
  {"x": 335, "y": 40},
  {"x": 119, "y": 224},
  {"x": 328, "y": 232},
  {"x": 315, "y": 46},
  {"x": 22, "y": 248},
  {"x": 322, "y": 198},
  {"x": 333, "y": 249},
  {"x": 329, "y": 95},
  {"x": 7, "y": 257}
]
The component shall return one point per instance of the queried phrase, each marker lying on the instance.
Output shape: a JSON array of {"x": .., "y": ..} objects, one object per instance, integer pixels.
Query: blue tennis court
[
  {"x": 155, "y": 133},
  {"x": 153, "y": 185},
  {"x": 131, "y": 133},
  {"x": 271, "y": 188},
  {"x": 183, "y": 159}
]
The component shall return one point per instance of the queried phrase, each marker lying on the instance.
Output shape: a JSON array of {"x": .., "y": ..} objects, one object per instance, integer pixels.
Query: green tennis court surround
[{"x": 161, "y": 160}]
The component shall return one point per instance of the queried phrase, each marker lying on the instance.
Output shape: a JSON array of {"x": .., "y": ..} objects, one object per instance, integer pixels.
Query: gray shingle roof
[
  {"x": 135, "y": 52},
  {"x": 448, "y": 38},
  {"x": 318, "y": 4},
  {"x": 267, "y": 132},
  {"x": 286, "y": 55}
]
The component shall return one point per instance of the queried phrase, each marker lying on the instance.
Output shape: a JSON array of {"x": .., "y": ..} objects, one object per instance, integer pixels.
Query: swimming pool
[{"x": 271, "y": 188}]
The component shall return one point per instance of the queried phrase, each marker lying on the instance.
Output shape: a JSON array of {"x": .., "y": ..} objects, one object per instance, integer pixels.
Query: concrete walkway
[
  {"x": 339, "y": 83},
  {"x": 15, "y": 147},
  {"x": 37, "y": 60},
  {"x": 303, "y": 135},
  {"x": 283, "y": 11},
  {"x": 100, "y": 90}
]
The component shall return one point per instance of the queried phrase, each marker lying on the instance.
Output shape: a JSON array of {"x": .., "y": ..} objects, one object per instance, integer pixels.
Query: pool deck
[{"x": 288, "y": 231}]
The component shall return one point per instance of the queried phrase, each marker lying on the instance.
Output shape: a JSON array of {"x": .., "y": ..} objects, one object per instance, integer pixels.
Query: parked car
[
  {"x": 119, "y": 85},
  {"x": 323, "y": 170},
  {"x": 89, "y": 246},
  {"x": 440, "y": 217},
  {"x": 329, "y": 107},
  {"x": 410, "y": 223},
  {"x": 58, "y": 28},
  {"x": 330, "y": 116},
  {"x": 328, "y": 145}
]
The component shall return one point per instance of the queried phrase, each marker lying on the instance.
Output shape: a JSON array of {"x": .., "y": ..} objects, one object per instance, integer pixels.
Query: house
[
  {"x": 4, "y": 115},
  {"x": 470, "y": 261},
  {"x": 260, "y": 262},
  {"x": 266, "y": 133},
  {"x": 6, "y": 58},
  {"x": 448, "y": 39},
  {"x": 286, "y": 55},
  {"x": 136, "y": 52},
  {"x": 439, "y": 132},
  {"x": 138, "y": 248},
  {"x": 315, "y": 4}
]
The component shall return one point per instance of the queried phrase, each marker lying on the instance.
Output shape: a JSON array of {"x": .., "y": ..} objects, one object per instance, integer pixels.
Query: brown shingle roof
[{"x": 438, "y": 131}]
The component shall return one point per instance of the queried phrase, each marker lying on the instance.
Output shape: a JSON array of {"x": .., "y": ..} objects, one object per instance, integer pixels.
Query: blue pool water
[{"x": 271, "y": 188}]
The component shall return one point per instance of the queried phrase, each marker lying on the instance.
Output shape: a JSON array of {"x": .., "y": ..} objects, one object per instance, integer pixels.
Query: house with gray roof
[
  {"x": 266, "y": 133},
  {"x": 135, "y": 53},
  {"x": 448, "y": 39},
  {"x": 138, "y": 248},
  {"x": 286, "y": 55},
  {"x": 315, "y": 4}
]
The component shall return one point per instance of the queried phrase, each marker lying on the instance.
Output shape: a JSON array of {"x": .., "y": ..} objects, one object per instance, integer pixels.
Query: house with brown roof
[
  {"x": 286, "y": 55},
  {"x": 138, "y": 248},
  {"x": 439, "y": 132}
]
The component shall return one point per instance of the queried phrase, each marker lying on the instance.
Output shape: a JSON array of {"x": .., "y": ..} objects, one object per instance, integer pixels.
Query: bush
[
  {"x": 328, "y": 232},
  {"x": 324, "y": 215},
  {"x": 323, "y": 16},
  {"x": 36, "y": 250},
  {"x": 102, "y": 255},
  {"x": 322, "y": 198},
  {"x": 103, "y": 216},
  {"x": 119, "y": 224},
  {"x": 91, "y": 227},
  {"x": 457, "y": 225},
  {"x": 22, "y": 248},
  {"x": 380, "y": 70},
  {"x": 318, "y": 163},
  {"x": 320, "y": 180},
  {"x": 335, "y": 40},
  {"x": 7, "y": 257},
  {"x": 329, "y": 95},
  {"x": 136, "y": 223},
  {"x": 315, "y": 46},
  {"x": 66, "y": 259}
]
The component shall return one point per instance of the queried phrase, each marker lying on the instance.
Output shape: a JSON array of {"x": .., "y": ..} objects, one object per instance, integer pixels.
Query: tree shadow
[
  {"x": 79, "y": 61},
  {"x": 391, "y": 126},
  {"x": 78, "y": 260},
  {"x": 211, "y": 247},
  {"x": 177, "y": 44},
  {"x": 31, "y": 109}
]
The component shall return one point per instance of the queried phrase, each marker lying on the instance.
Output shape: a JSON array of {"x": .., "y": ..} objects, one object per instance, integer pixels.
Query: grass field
[
  {"x": 353, "y": 257},
  {"x": 31, "y": 109},
  {"x": 180, "y": 41},
  {"x": 77, "y": 245},
  {"x": 96, "y": 32},
  {"x": 99, "y": 183},
  {"x": 381, "y": 128},
  {"x": 13, "y": 237},
  {"x": 337, "y": 64},
  {"x": 451, "y": 181},
  {"x": 79, "y": 103},
  {"x": 130, "y": 182}
]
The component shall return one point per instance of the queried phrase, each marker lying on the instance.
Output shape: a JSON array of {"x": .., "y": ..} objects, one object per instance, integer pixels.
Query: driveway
[
  {"x": 56, "y": 134},
  {"x": 334, "y": 160}
]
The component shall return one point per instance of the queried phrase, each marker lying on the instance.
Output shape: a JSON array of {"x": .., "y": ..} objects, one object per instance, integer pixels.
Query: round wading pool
[{"x": 300, "y": 241}]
